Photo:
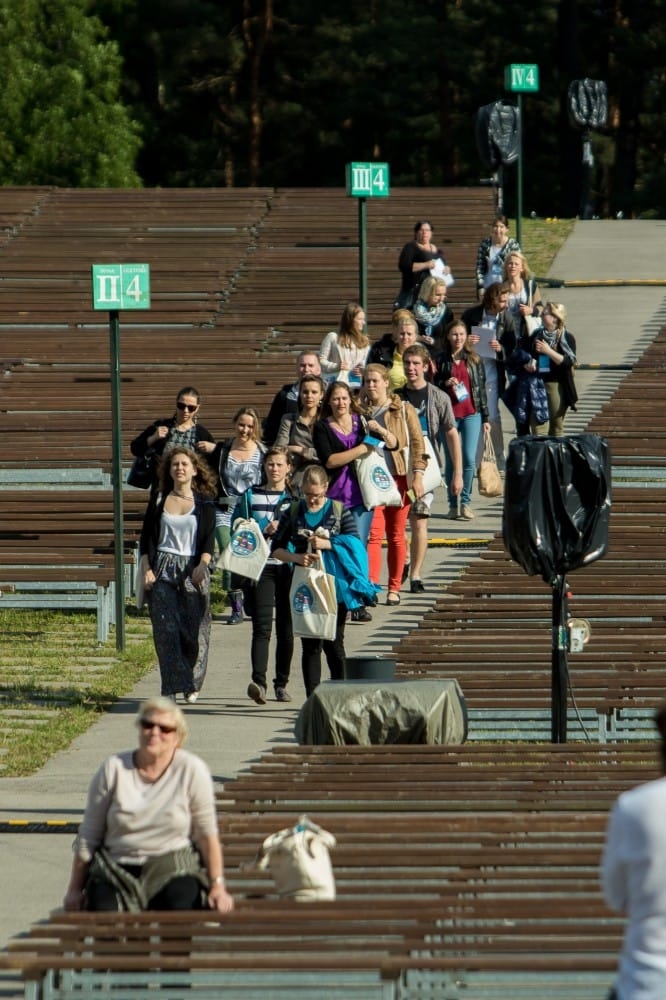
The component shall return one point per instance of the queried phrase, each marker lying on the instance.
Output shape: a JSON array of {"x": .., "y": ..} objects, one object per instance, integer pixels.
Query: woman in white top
[
  {"x": 238, "y": 462},
  {"x": 343, "y": 355},
  {"x": 147, "y": 810},
  {"x": 176, "y": 546},
  {"x": 524, "y": 292}
]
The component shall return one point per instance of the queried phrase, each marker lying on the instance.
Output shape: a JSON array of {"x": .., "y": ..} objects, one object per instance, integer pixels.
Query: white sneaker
[{"x": 191, "y": 697}]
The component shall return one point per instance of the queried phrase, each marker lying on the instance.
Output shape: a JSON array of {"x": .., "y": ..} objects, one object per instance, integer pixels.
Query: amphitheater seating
[
  {"x": 495, "y": 605},
  {"x": 240, "y": 280},
  {"x": 459, "y": 871}
]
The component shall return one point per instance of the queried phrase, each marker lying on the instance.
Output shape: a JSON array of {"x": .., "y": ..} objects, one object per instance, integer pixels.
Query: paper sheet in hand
[{"x": 483, "y": 348}]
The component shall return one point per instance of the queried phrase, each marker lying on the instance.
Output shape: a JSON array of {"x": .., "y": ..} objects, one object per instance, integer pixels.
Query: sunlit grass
[
  {"x": 541, "y": 240},
  {"x": 55, "y": 679}
]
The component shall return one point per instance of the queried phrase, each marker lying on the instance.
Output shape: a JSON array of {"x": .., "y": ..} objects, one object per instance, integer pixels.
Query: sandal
[{"x": 393, "y": 599}]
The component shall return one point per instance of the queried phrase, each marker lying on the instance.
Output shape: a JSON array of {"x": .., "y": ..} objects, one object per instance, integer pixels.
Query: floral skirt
[{"x": 181, "y": 620}]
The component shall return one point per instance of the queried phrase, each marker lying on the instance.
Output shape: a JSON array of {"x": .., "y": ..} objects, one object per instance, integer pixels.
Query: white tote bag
[
  {"x": 432, "y": 477},
  {"x": 313, "y": 602},
  {"x": 378, "y": 487},
  {"x": 247, "y": 552},
  {"x": 299, "y": 861}
]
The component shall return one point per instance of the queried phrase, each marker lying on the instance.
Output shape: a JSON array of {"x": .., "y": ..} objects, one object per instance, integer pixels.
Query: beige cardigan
[{"x": 401, "y": 420}]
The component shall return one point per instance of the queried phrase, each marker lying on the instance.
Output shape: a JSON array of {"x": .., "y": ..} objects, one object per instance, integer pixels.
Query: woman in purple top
[{"x": 338, "y": 439}]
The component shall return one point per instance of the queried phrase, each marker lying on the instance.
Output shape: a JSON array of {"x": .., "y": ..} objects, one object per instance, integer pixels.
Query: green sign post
[
  {"x": 521, "y": 78},
  {"x": 366, "y": 180},
  {"x": 115, "y": 287}
]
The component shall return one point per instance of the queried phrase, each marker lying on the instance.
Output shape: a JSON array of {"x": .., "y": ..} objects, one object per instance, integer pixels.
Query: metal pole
[
  {"x": 117, "y": 479},
  {"x": 519, "y": 200},
  {"x": 585, "y": 208},
  {"x": 560, "y": 645},
  {"x": 362, "y": 256}
]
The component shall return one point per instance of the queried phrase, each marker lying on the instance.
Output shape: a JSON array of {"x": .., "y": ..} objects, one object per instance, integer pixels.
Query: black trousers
[
  {"x": 182, "y": 893},
  {"x": 271, "y": 591},
  {"x": 334, "y": 651}
]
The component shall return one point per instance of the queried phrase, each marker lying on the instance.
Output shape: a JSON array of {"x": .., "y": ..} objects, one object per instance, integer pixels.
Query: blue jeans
[
  {"x": 363, "y": 521},
  {"x": 469, "y": 429}
]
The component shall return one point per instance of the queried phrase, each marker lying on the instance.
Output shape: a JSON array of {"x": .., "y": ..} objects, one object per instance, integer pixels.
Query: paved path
[{"x": 612, "y": 326}]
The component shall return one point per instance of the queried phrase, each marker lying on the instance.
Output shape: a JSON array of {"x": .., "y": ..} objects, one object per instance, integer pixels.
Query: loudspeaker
[{"x": 557, "y": 500}]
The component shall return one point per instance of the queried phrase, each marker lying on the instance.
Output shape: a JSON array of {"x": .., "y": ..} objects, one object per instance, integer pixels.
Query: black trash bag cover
[
  {"x": 588, "y": 103},
  {"x": 497, "y": 134},
  {"x": 490, "y": 155},
  {"x": 557, "y": 503}
]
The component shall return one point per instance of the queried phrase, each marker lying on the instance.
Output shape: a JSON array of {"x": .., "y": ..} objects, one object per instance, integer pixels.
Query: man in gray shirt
[{"x": 433, "y": 408}]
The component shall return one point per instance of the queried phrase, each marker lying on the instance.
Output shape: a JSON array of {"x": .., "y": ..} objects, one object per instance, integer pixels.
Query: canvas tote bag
[
  {"x": 299, "y": 861},
  {"x": 378, "y": 487},
  {"x": 490, "y": 481},
  {"x": 313, "y": 602},
  {"x": 247, "y": 552}
]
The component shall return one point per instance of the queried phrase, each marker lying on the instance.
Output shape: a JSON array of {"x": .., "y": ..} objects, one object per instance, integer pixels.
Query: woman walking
[
  {"x": 266, "y": 504},
  {"x": 176, "y": 547},
  {"x": 306, "y": 531},
  {"x": 462, "y": 375},
  {"x": 238, "y": 463},
  {"x": 397, "y": 425},
  {"x": 295, "y": 433},
  {"x": 183, "y": 428},
  {"x": 343, "y": 355}
]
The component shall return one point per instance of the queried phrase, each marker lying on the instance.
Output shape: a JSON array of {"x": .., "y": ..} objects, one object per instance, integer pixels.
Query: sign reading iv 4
[
  {"x": 121, "y": 286},
  {"x": 521, "y": 78},
  {"x": 368, "y": 180}
]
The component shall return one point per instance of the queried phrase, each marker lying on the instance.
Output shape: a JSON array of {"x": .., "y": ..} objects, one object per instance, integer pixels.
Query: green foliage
[
  {"x": 254, "y": 92},
  {"x": 63, "y": 122}
]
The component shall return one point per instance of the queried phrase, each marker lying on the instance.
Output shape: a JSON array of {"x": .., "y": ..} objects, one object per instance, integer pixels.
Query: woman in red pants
[{"x": 396, "y": 423}]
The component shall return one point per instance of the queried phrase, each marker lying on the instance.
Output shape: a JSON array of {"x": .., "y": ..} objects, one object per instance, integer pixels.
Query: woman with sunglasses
[
  {"x": 183, "y": 428},
  {"x": 149, "y": 836},
  {"x": 176, "y": 546}
]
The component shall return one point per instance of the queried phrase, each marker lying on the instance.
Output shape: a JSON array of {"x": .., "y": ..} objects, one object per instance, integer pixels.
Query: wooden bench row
[{"x": 491, "y": 886}]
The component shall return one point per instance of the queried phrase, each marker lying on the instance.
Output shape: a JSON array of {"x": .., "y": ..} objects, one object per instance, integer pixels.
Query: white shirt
[
  {"x": 633, "y": 875},
  {"x": 178, "y": 533}
]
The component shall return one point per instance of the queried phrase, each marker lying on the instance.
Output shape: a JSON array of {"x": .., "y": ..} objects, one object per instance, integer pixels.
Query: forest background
[{"x": 287, "y": 92}]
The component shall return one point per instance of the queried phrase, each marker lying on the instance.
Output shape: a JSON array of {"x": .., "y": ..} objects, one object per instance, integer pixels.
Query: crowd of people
[
  {"x": 398, "y": 417},
  {"x": 419, "y": 402}
]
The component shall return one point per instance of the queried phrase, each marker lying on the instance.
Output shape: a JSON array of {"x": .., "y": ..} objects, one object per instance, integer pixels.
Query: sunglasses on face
[
  {"x": 148, "y": 725},
  {"x": 190, "y": 407}
]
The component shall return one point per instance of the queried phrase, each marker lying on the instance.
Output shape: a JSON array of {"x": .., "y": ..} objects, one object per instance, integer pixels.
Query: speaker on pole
[{"x": 557, "y": 501}]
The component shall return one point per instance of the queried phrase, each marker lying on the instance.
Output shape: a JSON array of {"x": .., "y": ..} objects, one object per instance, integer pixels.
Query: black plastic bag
[
  {"x": 497, "y": 133},
  {"x": 588, "y": 103},
  {"x": 557, "y": 502}
]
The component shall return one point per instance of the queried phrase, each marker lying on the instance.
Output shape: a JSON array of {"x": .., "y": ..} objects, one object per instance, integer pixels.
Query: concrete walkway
[{"x": 613, "y": 325}]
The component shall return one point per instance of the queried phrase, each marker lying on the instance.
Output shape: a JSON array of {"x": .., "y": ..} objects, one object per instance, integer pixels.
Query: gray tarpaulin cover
[{"x": 372, "y": 713}]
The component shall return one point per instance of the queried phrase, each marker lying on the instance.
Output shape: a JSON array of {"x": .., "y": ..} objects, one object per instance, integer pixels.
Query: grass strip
[{"x": 55, "y": 679}]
